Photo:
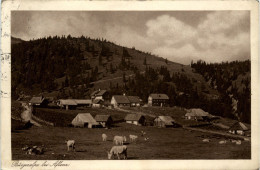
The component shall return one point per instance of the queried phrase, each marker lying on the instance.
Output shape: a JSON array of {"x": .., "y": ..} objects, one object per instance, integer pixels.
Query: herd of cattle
[{"x": 118, "y": 150}]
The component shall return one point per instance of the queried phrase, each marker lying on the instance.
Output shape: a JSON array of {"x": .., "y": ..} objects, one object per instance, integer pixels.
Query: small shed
[
  {"x": 135, "y": 119},
  {"x": 84, "y": 120},
  {"x": 165, "y": 121},
  {"x": 67, "y": 103},
  {"x": 238, "y": 128},
  {"x": 104, "y": 120}
]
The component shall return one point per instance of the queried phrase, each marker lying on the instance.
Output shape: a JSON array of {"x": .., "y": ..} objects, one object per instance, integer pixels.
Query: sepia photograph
[{"x": 130, "y": 85}]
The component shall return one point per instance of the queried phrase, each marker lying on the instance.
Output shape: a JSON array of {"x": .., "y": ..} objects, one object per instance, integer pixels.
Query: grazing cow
[
  {"x": 119, "y": 140},
  {"x": 205, "y": 140},
  {"x": 117, "y": 151},
  {"x": 70, "y": 144},
  {"x": 142, "y": 133},
  {"x": 104, "y": 137},
  {"x": 222, "y": 142},
  {"x": 133, "y": 137},
  {"x": 146, "y": 139}
]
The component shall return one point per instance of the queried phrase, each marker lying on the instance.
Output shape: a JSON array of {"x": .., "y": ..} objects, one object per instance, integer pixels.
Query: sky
[{"x": 179, "y": 36}]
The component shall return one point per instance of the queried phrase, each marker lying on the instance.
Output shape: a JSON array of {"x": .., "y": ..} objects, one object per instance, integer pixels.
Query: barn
[
  {"x": 238, "y": 128},
  {"x": 83, "y": 102},
  {"x": 85, "y": 120},
  {"x": 197, "y": 114},
  {"x": 135, "y": 119},
  {"x": 120, "y": 100},
  {"x": 158, "y": 100},
  {"x": 104, "y": 120},
  {"x": 165, "y": 121},
  {"x": 67, "y": 103}
]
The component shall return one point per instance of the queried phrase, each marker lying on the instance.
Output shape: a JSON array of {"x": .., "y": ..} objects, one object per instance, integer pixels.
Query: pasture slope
[{"x": 163, "y": 143}]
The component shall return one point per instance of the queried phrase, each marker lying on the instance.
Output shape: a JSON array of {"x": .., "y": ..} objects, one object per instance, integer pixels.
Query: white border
[{"x": 8, "y": 6}]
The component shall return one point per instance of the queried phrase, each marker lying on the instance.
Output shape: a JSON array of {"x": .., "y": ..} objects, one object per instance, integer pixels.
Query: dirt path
[
  {"x": 130, "y": 75},
  {"x": 217, "y": 133},
  {"x": 131, "y": 111}
]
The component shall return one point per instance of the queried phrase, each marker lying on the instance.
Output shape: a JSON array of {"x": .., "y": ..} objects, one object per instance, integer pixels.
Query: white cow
[
  {"x": 117, "y": 151},
  {"x": 222, "y": 142},
  {"x": 205, "y": 140},
  {"x": 70, "y": 144},
  {"x": 119, "y": 140},
  {"x": 133, "y": 137},
  {"x": 104, "y": 137}
]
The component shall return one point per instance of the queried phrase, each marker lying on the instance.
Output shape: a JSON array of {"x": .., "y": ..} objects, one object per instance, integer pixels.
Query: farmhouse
[
  {"x": 97, "y": 102},
  {"x": 83, "y": 102},
  {"x": 38, "y": 101},
  {"x": 100, "y": 94},
  {"x": 135, "y": 119},
  {"x": 120, "y": 100},
  {"x": 197, "y": 114},
  {"x": 104, "y": 120},
  {"x": 67, "y": 103},
  {"x": 134, "y": 101},
  {"x": 238, "y": 128},
  {"x": 165, "y": 121},
  {"x": 84, "y": 120},
  {"x": 158, "y": 100}
]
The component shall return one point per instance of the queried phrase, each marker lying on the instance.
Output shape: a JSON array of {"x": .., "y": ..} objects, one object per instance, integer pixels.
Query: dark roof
[
  {"x": 133, "y": 117},
  {"x": 159, "y": 96},
  {"x": 97, "y": 101},
  {"x": 98, "y": 93},
  {"x": 238, "y": 126},
  {"x": 102, "y": 118},
  {"x": 101, "y": 93},
  {"x": 121, "y": 99},
  {"x": 37, "y": 100},
  {"x": 133, "y": 99}
]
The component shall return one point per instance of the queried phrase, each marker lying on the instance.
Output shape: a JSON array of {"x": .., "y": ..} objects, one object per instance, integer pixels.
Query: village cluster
[{"x": 102, "y": 99}]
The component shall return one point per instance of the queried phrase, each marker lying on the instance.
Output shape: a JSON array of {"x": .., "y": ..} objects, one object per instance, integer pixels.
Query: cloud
[
  {"x": 214, "y": 37},
  {"x": 222, "y": 36}
]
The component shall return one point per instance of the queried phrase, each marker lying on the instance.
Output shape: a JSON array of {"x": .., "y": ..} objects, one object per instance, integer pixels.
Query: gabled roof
[
  {"x": 168, "y": 120},
  {"x": 159, "y": 96},
  {"x": 133, "y": 99},
  {"x": 82, "y": 118},
  {"x": 68, "y": 102},
  {"x": 83, "y": 101},
  {"x": 121, "y": 99},
  {"x": 239, "y": 126},
  {"x": 37, "y": 100},
  {"x": 197, "y": 112},
  {"x": 102, "y": 118},
  {"x": 132, "y": 117}
]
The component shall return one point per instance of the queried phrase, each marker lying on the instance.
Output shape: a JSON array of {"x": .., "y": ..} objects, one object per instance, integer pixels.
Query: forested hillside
[
  {"x": 233, "y": 82},
  {"x": 68, "y": 67}
]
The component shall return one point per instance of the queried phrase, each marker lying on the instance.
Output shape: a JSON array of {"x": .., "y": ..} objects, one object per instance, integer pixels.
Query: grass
[{"x": 163, "y": 143}]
